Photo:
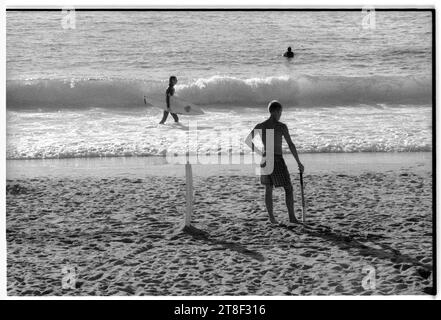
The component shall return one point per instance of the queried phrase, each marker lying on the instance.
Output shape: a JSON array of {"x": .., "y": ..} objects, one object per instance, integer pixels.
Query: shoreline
[{"x": 158, "y": 166}]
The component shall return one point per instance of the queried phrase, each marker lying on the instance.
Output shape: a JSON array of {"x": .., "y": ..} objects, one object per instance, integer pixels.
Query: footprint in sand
[{"x": 95, "y": 277}]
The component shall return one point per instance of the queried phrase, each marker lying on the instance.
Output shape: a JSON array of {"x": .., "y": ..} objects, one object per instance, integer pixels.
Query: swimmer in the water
[{"x": 289, "y": 53}]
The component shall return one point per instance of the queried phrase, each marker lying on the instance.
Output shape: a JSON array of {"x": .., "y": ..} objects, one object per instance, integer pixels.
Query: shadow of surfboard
[{"x": 204, "y": 236}]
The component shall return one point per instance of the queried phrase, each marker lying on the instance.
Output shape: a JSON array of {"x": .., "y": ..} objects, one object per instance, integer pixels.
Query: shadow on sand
[
  {"x": 342, "y": 241},
  {"x": 199, "y": 234},
  {"x": 350, "y": 241}
]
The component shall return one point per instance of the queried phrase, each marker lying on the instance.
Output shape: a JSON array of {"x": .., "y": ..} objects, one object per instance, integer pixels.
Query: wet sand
[{"x": 120, "y": 229}]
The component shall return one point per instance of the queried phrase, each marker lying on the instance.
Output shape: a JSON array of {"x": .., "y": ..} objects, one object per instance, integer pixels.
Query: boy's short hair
[
  {"x": 274, "y": 106},
  {"x": 172, "y": 78}
]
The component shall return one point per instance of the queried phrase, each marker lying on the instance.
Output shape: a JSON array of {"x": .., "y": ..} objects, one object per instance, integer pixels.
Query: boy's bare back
[{"x": 280, "y": 131}]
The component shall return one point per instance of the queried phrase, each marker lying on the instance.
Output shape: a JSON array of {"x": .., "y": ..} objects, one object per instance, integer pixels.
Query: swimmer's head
[
  {"x": 289, "y": 49},
  {"x": 173, "y": 80},
  {"x": 275, "y": 108}
]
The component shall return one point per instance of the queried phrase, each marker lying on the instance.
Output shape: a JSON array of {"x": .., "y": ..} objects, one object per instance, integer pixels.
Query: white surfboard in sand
[{"x": 177, "y": 105}]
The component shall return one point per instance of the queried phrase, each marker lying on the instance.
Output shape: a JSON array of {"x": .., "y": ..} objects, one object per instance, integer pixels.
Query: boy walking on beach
[
  {"x": 274, "y": 170},
  {"x": 169, "y": 92}
]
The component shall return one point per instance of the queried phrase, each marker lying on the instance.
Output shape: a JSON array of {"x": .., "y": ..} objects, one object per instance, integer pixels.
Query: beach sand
[{"x": 118, "y": 224}]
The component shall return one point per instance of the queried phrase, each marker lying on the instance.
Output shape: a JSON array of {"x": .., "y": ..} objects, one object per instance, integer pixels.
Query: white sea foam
[{"x": 105, "y": 133}]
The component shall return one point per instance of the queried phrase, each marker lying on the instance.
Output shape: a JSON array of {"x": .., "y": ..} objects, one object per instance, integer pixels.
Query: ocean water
[{"x": 79, "y": 92}]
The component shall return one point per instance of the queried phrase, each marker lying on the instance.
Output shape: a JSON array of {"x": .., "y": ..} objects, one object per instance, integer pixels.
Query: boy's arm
[
  {"x": 249, "y": 141},
  {"x": 167, "y": 99},
  {"x": 292, "y": 147},
  {"x": 168, "y": 93}
]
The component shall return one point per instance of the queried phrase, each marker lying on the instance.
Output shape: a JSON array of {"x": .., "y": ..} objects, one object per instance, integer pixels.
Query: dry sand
[{"x": 122, "y": 233}]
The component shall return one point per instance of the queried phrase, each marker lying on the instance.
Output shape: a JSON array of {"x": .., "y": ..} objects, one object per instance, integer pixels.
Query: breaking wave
[{"x": 301, "y": 91}]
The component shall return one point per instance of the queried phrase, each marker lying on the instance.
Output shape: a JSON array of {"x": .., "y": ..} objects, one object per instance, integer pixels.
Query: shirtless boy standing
[{"x": 279, "y": 175}]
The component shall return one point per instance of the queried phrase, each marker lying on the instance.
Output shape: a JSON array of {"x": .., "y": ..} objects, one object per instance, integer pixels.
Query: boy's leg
[
  {"x": 269, "y": 201},
  {"x": 289, "y": 200},
  {"x": 164, "y": 117},
  {"x": 175, "y": 116}
]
